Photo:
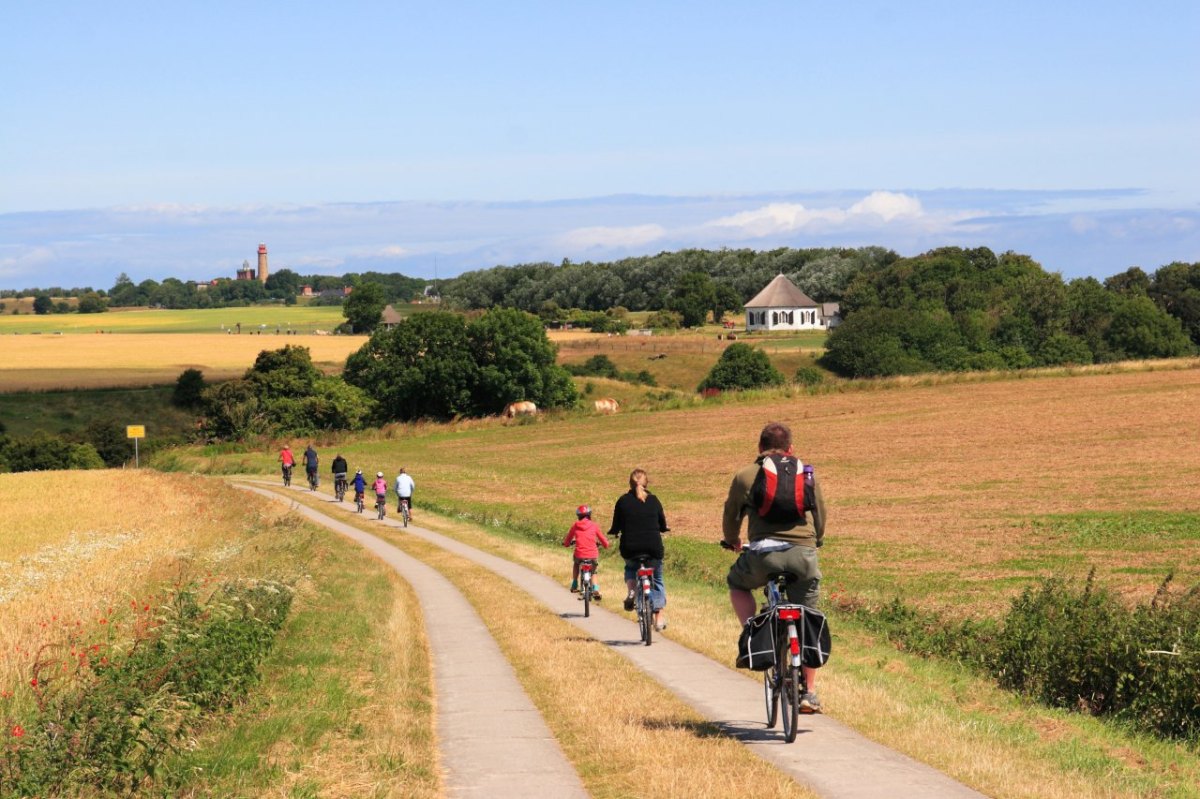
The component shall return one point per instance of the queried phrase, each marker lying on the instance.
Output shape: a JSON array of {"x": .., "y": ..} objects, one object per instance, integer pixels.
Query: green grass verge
[{"x": 312, "y": 725}]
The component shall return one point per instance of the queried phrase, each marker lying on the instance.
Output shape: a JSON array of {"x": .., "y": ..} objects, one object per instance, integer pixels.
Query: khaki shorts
[{"x": 752, "y": 570}]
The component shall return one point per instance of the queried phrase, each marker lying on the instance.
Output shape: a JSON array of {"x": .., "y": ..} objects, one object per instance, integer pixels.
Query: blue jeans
[{"x": 658, "y": 591}]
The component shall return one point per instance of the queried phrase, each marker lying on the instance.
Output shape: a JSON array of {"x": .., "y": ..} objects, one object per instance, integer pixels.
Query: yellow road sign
[{"x": 135, "y": 431}]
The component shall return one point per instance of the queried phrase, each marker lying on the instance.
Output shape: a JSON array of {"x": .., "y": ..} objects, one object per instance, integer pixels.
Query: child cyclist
[
  {"x": 381, "y": 487},
  {"x": 585, "y": 534}
]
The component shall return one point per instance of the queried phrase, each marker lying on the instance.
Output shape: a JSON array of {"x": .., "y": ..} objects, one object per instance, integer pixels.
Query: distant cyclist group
[
  {"x": 778, "y": 498},
  {"x": 404, "y": 484}
]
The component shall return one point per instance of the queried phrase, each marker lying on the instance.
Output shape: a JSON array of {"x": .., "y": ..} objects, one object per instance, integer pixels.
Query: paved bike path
[
  {"x": 828, "y": 756},
  {"x": 494, "y": 742}
]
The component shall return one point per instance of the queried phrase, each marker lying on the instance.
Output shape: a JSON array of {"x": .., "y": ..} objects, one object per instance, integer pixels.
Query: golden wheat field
[
  {"x": 68, "y": 565},
  {"x": 39, "y": 363}
]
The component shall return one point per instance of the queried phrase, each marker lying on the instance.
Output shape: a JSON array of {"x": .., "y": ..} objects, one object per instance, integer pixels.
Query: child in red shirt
[{"x": 585, "y": 534}]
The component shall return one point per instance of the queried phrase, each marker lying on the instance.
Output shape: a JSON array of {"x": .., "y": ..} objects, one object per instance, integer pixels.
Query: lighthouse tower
[{"x": 262, "y": 263}]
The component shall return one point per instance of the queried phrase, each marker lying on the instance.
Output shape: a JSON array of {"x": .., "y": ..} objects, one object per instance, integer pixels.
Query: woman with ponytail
[{"x": 639, "y": 522}]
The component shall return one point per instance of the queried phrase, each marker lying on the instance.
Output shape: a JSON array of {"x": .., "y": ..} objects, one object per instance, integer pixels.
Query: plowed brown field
[{"x": 932, "y": 491}]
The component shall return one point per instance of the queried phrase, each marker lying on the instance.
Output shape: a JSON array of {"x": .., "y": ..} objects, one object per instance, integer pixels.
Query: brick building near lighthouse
[{"x": 246, "y": 273}]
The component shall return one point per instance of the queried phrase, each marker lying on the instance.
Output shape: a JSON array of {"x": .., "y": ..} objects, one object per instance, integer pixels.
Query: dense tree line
[
  {"x": 956, "y": 309},
  {"x": 282, "y": 285},
  {"x": 663, "y": 281}
]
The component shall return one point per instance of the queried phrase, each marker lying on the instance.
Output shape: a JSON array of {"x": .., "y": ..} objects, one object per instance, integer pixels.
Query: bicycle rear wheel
[
  {"x": 646, "y": 619},
  {"x": 406, "y": 514},
  {"x": 771, "y": 695},
  {"x": 587, "y": 598},
  {"x": 789, "y": 690}
]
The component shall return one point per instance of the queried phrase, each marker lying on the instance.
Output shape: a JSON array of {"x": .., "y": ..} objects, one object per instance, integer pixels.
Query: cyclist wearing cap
[
  {"x": 360, "y": 486},
  {"x": 585, "y": 534}
]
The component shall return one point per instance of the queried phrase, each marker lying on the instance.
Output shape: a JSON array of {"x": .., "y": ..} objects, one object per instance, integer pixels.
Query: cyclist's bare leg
[
  {"x": 810, "y": 678},
  {"x": 743, "y": 604}
]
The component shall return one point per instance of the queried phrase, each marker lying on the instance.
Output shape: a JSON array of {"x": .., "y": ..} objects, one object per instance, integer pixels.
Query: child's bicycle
[
  {"x": 642, "y": 603},
  {"x": 587, "y": 585},
  {"x": 381, "y": 506},
  {"x": 405, "y": 513},
  {"x": 339, "y": 486},
  {"x": 287, "y": 474},
  {"x": 783, "y": 682},
  {"x": 359, "y": 503}
]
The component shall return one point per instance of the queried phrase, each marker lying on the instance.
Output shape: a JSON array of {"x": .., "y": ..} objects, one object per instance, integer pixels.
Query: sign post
[{"x": 135, "y": 431}]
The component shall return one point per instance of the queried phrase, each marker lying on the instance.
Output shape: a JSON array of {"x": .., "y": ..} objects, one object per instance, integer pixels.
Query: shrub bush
[
  {"x": 809, "y": 376},
  {"x": 741, "y": 367}
]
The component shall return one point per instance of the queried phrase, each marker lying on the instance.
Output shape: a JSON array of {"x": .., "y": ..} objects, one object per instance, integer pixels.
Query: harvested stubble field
[
  {"x": 952, "y": 495},
  {"x": 41, "y": 363},
  {"x": 682, "y": 361}
]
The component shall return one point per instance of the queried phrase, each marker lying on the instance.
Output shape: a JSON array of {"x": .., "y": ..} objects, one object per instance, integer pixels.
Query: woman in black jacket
[{"x": 639, "y": 522}]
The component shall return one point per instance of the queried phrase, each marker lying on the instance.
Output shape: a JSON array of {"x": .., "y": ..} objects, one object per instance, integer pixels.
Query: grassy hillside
[{"x": 951, "y": 495}]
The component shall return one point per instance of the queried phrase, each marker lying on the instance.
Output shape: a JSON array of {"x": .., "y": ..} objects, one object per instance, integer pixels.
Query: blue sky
[{"x": 169, "y": 139}]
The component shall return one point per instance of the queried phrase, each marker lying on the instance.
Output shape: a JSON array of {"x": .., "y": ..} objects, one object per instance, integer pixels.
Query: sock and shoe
[
  {"x": 629, "y": 600},
  {"x": 809, "y": 703},
  {"x": 574, "y": 587},
  {"x": 662, "y": 624}
]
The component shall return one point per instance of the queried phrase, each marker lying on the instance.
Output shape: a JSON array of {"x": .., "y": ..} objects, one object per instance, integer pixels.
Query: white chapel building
[{"x": 782, "y": 306}]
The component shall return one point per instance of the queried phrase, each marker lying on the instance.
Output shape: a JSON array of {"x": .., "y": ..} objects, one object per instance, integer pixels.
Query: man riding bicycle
[
  {"x": 339, "y": 469},
  {"x": 779, "y": 540},
  {"x": 310, "y": 464},
  {"x": 404, "y": 491}
]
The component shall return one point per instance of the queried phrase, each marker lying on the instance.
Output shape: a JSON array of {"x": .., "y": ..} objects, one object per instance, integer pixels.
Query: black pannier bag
[
  {"x": 815, "y": 641},
  {"x": 756, "y": 645}
]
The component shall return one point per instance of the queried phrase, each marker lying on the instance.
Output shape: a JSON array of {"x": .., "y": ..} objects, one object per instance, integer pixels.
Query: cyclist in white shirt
[{"x": 404, "y": 490}]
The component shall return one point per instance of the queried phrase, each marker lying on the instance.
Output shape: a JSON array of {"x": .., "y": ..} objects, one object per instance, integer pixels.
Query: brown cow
[
  {"x": 607, "y": 405},
  {"x": 523, "y": 408}
]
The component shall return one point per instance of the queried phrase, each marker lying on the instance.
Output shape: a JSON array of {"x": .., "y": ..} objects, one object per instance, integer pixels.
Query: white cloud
[
  {"x": 590, "y": 237},
  {"x": 878, "y": 210},
  {"x": 27, "y": 262},
  {"x": 888, "y": 206}
]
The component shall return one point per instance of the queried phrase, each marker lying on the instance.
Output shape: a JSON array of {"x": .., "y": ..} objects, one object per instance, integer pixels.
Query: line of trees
[
  {"x": 957, "y": 309},
  {"x": 667, "y": 281}
]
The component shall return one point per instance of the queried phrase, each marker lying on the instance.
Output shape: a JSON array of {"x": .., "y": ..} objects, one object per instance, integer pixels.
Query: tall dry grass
[{"x": 78, "y": 547}]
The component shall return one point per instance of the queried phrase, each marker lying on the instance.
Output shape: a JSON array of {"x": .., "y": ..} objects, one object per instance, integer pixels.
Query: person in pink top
[{"x": 585, "y": 534}]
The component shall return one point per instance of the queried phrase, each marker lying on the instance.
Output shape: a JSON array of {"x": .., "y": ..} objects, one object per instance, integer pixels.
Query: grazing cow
[
  {"x": 523, "y": 408},
  {"x": 607, "y": 405}
]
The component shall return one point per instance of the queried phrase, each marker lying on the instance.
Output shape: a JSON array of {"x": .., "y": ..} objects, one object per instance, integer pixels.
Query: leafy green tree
[
  {"x": 92, "y": 303},
  {"x": 742, "y": 367},
  {"x": 189, "y": 388},
  {"x": 423, "y": 367},
  {"x": 1176, "y": 289},
  {"x": 232, "y": 410},
  {"x": 871, "y": 344},
  {"x": 364, "y": 307},
  {"x": 42, "y": 304},
  {"x": 284, "y": 283},
  {"x": 110, "y": 442},
  {"x": 1132, "y": 281},
  {"x": 1140, "y": 329},
  {"x": 725, "y": 300},
  {"x": 516, "y": 362},
  {"x": 694, "y": 296}
]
